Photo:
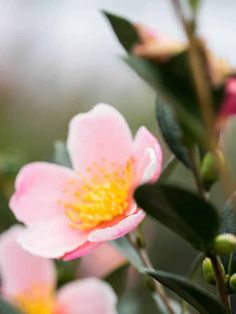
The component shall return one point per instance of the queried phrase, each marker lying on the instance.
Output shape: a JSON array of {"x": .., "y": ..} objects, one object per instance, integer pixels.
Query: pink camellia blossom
[
  {"x": 28, "y": 282},
  {"x": 68, "y": 212}
]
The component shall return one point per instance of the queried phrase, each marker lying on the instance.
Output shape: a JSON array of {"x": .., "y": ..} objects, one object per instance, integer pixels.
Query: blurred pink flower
[
  {"x": 68, "y": 213},
  {"x": 29, "y": 283},
  {"x": 154, "y": 45},
  {"x": 228, "y": 107},
  {"x": 107, "y": 260}
]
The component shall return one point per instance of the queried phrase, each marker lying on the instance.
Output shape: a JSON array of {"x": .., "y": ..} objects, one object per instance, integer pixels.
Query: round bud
[
  {"x": 224, "y": 244},
  {"x": 232, "y": 283},
  {"x": 209, "y": 170},
  {"x": 208, "y": 271}
]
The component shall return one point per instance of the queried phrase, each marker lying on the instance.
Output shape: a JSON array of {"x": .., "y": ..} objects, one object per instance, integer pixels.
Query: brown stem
[
  {"x": 203, "y": 90},
  {"x": 140, "y": 249},
  {"x": 220, "y": 281}
]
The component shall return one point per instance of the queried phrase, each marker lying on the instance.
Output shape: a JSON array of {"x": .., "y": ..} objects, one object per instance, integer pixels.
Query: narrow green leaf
[
  {"x": 61, "y": 156},
  {"x": 172, "y": 132},
  {"x": 127, "y": 250},
  {"x": 182, "y": 211},
  {"x": 6, "y": 308},
  {"x": 204, "y": 302},
  {"x": 124, "y": 30}
]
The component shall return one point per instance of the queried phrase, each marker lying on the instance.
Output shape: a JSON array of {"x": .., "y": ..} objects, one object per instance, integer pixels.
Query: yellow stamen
[
  {"x": 103, "y": 196},
  {"x": 36, "y": 301}
]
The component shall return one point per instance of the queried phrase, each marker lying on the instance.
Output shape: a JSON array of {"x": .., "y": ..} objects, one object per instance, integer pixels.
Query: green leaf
[
  {"x": 118, "y": 279},
  {"x": 124, "y": 30},
  {"x": 228, "y": 225},
  {"x": 183, "y": 212},
  {"x": 172, "y": 132},
  {"x": 204, "y": 302},
  {"x": 127, "y": 250},
  {"x": 151, "y": 73},
  {"x": 61, "y": 156},
  {"x": 6, "y": 308}
]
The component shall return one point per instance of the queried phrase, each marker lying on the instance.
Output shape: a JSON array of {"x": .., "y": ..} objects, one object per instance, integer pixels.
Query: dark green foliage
[
  {"x": 182, "y": 211},
  {"x": 204, "y": 302}
]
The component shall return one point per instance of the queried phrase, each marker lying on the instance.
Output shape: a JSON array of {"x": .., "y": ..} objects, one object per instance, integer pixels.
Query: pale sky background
[{"x": 57, "y": 53}]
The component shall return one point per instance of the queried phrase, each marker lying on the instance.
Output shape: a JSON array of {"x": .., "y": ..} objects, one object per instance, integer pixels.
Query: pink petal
[
  {"x": 107, "y": 260},
  {"x": 52, "y": 239},
  {"x": 118, "y": 230},
  {"x": 147, "y": 155},
  {"x": 87, "y": 296},
  {"x": 20, "y": 270},
  {"x": 82, "y": 250},
  {"x": 39, "y": 188},
  {"x": 102, "y": 133}
]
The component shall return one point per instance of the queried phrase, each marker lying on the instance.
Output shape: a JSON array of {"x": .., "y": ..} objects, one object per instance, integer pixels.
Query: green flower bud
[
  {"x": 232, "y": 283},
  {"x": 208, "y": 271},
  {"x": 226, "y": 279},
  {"x": 209, "y": 170},
  {"x": 224, "y": 244}
]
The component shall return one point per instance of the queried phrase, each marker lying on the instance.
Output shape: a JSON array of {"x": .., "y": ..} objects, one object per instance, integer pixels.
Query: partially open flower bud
[
  {"x": 155, "y": 46},
  {"x": 224, "y": 244},
  {"x": 208, "y": 271},
  {"x": 232, "y": 283}
]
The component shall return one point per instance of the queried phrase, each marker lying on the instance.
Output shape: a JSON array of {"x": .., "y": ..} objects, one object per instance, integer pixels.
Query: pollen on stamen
[{"x": 101, "y": 197}]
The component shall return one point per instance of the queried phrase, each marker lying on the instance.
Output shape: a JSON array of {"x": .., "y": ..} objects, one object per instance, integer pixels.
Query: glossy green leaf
[
  {"x": 61, "y": 156},
  {"x": 123, "y": 29},
  {"x": 6, "y": 308},
  {"x": 228, "y": 225},
  {"x": 204, "y": 302},
  {"x": 172, "y": 132},
  {"x": 182, "y": 211}
]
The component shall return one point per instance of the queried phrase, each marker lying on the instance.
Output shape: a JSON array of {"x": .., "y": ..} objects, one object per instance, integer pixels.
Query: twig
[
  {"x": 203, "y": 91},
  {"x": 220, "y": 281},
  {"x": 139, "y": 247}
]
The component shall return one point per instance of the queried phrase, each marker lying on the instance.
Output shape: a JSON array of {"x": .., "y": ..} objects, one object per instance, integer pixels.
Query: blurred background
[{"x": 59, "y": 57}]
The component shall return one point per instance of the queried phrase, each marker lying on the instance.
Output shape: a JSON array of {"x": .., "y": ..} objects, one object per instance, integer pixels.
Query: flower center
[
  {"x": 36, "y": 300},
  {"x": 104, "y": 195}
]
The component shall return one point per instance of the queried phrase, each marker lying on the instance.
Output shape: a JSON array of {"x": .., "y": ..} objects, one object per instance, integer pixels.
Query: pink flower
[
  {"x": 29, "y": 283},
  {"x": 228, "y": 107},
  {"x": 68, "y": 213},
  {"x": 107, "y": 260}
]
